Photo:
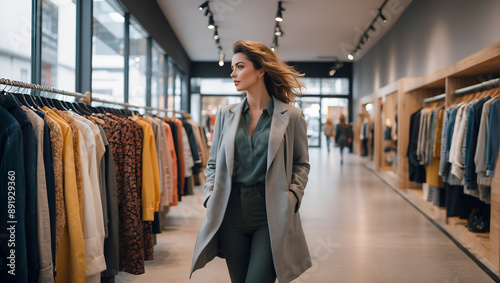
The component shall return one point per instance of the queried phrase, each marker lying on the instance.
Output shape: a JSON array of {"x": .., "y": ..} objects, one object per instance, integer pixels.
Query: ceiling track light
[
  {"x": 365, "y": 38},
  {"x": 203, "y": 6},
  {"x": 279, "y": 13},
  {"x": 335, "y": 67},
  {"x": 216, "y": 34},
  {"x": 211, "y": 23},
  {"x": 384, "y": 19},
  {"x": 277, "y": 30}
]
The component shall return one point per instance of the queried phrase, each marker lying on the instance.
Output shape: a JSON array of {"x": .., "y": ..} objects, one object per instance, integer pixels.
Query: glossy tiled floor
[{"x": 358, "y": 230}]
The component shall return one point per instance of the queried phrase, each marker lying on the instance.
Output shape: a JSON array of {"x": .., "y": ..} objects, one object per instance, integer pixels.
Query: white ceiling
[{"x": 315, "y": 30}]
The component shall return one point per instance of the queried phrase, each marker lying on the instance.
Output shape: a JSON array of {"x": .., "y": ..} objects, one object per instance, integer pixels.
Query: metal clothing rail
[
  {"x": 435, "y": 98},
  {"x": 140, "y": 107},
  {"x": 484, "y": 85},
  {"x": 40, "y": 88},
  {"x": 87, "y": 97}
]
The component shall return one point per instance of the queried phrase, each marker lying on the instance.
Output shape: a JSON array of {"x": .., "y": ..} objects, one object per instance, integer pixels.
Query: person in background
[
  {"x": 342, "y": 136},
  {"x": 256, "y": 174},
  {"x": 328, "y": 130}
]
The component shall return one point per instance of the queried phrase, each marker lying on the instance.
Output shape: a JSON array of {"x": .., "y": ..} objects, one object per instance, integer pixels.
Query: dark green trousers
[{"x": 244, "y": 237}]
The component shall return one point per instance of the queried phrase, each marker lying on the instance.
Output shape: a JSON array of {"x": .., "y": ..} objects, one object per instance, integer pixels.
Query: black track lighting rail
[
  {"x": 212, "y": 26},
  {"x": 365, "y": 37},
  {"x": 278, "y": 32}
]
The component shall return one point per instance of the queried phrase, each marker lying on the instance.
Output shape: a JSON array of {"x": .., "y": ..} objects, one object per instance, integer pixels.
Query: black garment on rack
[
  {"x": 30, "y": 163},
  {"x": 173, "y": 127},
  {"x": 458, "y": 203},
  {"x": 11, "y": 149},
  {"x": 416, "y": 171},
  {"x": 387, "y": 133},
  {"x": 193, "y": 146}
]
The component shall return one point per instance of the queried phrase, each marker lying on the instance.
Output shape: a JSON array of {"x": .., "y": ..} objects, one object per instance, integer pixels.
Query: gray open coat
[{"x": 286, "y": 179}]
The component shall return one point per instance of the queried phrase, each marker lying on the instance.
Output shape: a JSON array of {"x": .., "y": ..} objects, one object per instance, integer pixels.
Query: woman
[
  {"x": 256, "y": 176},
  {"x": 342, "y": 136},
  {"x": 328, "y": 129}
]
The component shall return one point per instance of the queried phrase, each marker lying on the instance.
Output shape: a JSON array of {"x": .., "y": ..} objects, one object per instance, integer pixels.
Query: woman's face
[{"x": 244, "y": 75}]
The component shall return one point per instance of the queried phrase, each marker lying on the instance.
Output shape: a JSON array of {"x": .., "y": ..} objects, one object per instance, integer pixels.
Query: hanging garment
[
  {"x": 75, "y": 131},
  {"x": 471, "y": 144},
  {"x": 193, "y": 147},
  {"x": 111, "y": 242},
  {"x": 432, "y": 177},
  {"x": 180, "y": 154},
  {"x": 57, "y": 145},
  {"x": 51, "y": 185},
  {"x": 151, "y": 176},
  {"x": 12, "y": 174},
  {"x": 483, "y": 181},
  {"x": 457, "y": 160},
  {"x": 93, "y": 219},
  {"x": 70, "y": 257},
  {"x": 492, "y": 144},
  {"x": 416, "y": 171},
  {"x": 30, "y": 170},
  {"x": 45, "y": 273},
  {"x": 172, "y": 198}
]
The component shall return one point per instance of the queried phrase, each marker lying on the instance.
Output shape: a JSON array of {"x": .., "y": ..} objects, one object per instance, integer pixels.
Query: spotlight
[
  {"x": 279, "y": 13},
  {"x": 332, "y": 72},
  {"x": 217, "y": 41},
  {"x": 356, "y": 52},
  {"x": 275, "y": 41},
  {"x": 372, "y": 28},
  {"x": 207, "y": 11},
  {"x": 211, "y": 24},
  {"x": 221, "y": 58},
  {"x": 278, "y": 30},
  {"x": 203, "y": 6},
  {"x": 216, "y": 34},
  {"x": 350, "y": 56},
  {"x": 384, "y": 19}
]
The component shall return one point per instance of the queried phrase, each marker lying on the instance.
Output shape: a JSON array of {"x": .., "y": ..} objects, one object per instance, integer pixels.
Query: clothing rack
[
  {"x": 435, "y": 98},
  {"x": 40, "y": 88},
  {"x": 481, "y": 86},
  {"x": 86, "y": 98}
]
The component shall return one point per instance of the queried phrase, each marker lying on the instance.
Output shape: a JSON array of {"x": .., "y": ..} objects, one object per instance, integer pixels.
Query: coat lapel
[
  {"x": 279, "y": 124},
  {"x": 230, "y": 128}
]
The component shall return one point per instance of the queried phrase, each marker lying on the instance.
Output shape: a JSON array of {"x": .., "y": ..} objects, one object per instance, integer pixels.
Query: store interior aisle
[{"x": 358, "y": 230}]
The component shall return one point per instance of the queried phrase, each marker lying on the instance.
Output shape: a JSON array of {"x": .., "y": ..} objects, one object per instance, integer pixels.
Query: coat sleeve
[
  {"x": 210, "y": 171},
  {"x": 301, "y": 167}
]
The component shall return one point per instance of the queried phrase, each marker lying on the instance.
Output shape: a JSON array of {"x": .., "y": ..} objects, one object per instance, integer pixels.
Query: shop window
[
  {"x": 137, "y": 64},
  {"x": 218, "y": 86},
  {"x": 335, "y": 86},
  {"x": 58, "y": 44},
  {"x": 313, "y": 85},
  {"x": 170, "y": 88},
  {"x": 158, "y": 77},
  {"x": 108, "y": 51},
  {"x": 15, "y": 46}
]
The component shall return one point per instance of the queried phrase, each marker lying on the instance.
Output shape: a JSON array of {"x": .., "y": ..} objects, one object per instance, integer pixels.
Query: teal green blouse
[{"x": 250, "y": 155}]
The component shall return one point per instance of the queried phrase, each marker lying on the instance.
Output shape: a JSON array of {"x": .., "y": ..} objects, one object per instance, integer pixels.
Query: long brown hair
[
  {"x": 279, "y": 78},
  {"x": 342, "y": 120}
]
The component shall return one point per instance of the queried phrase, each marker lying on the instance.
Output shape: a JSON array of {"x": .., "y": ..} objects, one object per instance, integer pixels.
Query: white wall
[{"x": 430, "y": 35}]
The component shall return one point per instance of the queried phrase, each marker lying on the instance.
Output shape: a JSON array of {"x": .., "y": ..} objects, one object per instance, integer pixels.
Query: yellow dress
[
  {"x": 70, "y": 258},
  {"x": 151, "y": 188}
]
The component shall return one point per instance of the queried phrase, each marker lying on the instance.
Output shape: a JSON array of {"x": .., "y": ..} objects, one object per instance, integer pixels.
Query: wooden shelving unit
[{"x": 410, "y": 93}]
